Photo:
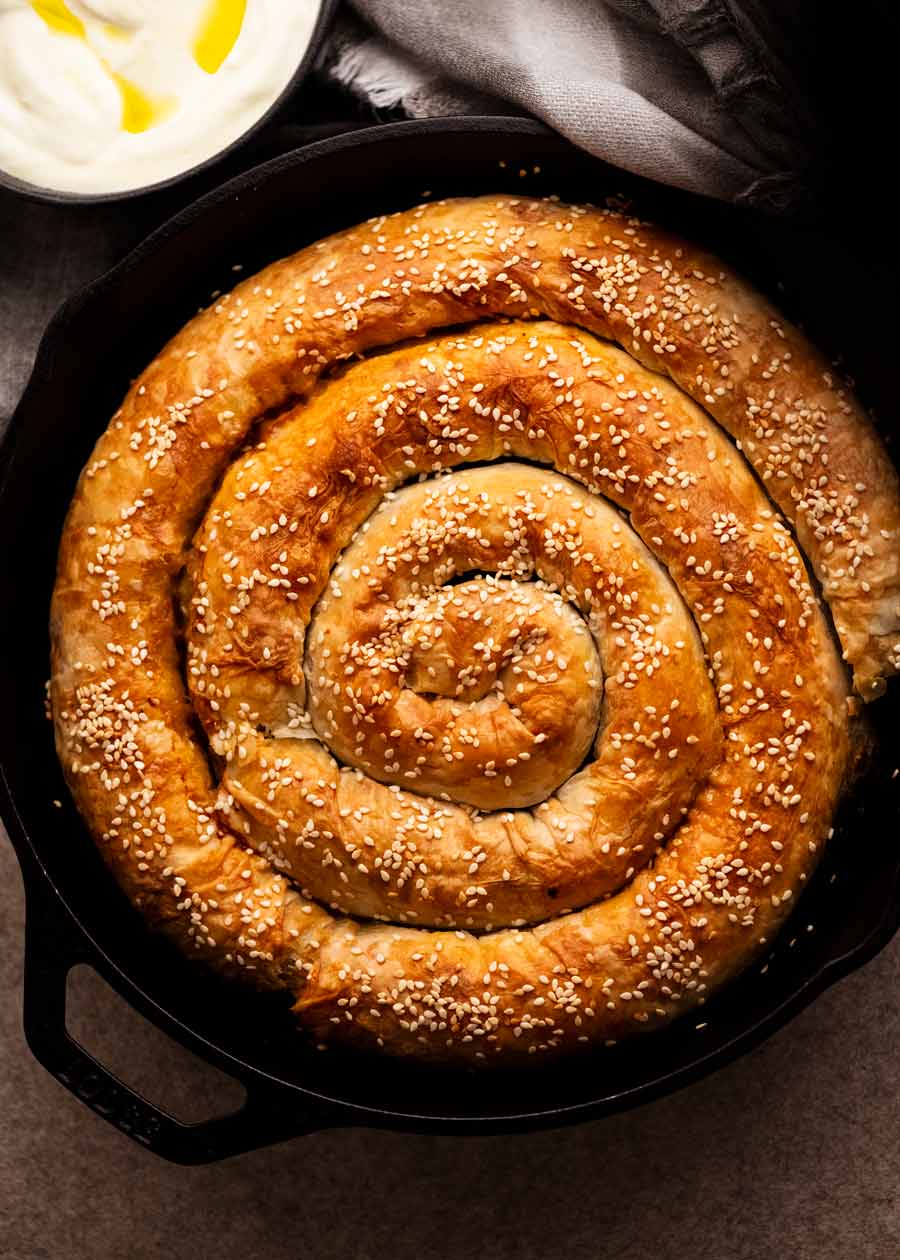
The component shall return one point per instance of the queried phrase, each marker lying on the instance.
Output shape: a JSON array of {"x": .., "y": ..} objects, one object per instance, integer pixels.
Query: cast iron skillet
[{"x": 95, "y": 345}]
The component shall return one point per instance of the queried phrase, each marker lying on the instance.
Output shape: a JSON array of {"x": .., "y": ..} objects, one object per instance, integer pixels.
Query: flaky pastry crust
[{"x": 497, "y": 760}]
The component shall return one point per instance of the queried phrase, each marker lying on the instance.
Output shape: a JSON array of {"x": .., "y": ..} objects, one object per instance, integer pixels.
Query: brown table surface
[{"x": 792, "y": 1152}]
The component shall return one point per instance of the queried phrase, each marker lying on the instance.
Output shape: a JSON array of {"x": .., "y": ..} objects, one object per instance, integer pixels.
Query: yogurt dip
[{"x": 99, "y": 96}]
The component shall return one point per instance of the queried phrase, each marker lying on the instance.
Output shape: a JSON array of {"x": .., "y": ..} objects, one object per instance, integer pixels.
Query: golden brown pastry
[{"x": 476, "y": 694}]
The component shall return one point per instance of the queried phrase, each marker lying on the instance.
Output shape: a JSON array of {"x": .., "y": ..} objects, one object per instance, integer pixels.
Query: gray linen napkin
[{"x": 686, "y": 92}]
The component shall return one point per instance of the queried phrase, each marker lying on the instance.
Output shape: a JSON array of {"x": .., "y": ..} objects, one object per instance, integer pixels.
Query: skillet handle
[{"x": 53, "y": 945}]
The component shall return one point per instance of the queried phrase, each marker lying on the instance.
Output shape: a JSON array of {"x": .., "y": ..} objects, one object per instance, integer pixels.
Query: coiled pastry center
[
  {"x": 389, "y": 690},
  {"x": 487, "y": 691}
]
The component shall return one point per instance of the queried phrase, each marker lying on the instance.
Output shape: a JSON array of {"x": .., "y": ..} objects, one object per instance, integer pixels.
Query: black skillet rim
[{"x": 40, "y": 884}]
